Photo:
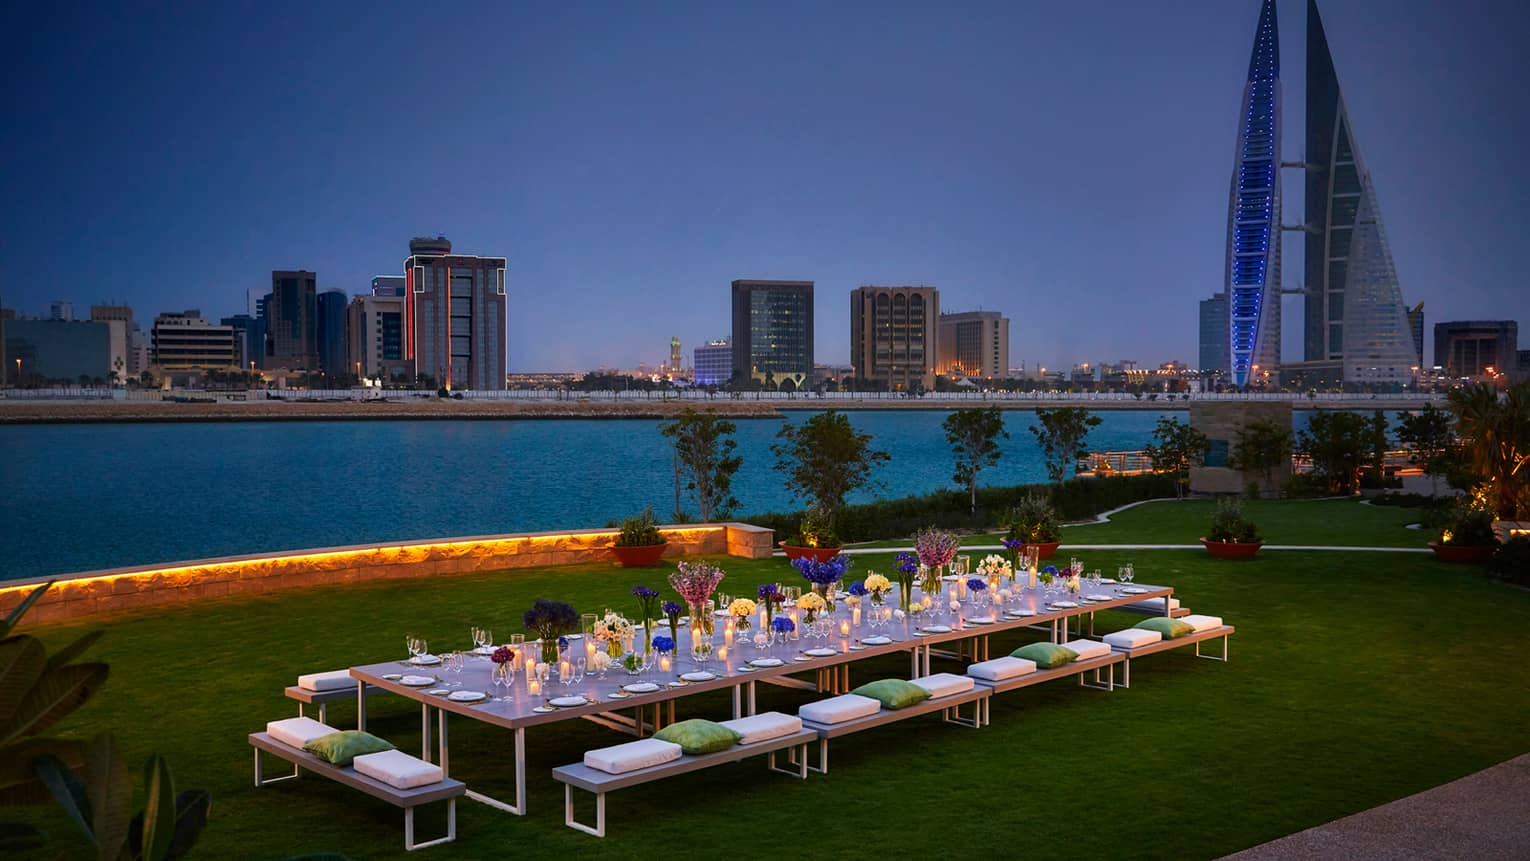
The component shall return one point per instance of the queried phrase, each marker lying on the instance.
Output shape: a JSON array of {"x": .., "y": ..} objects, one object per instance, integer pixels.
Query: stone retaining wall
[{"x": 116, "y": 589}]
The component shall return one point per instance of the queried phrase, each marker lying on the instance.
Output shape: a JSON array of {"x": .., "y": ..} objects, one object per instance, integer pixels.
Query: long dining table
[{"x": 735, "y": 666}]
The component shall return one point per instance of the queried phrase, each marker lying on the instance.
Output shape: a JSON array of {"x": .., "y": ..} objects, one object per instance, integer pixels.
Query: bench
[
  {"x": 598, "y": 782},
  {"x": 1217, "y": 632},
  {"x": 322, "y": 699},
  {"x": 1081, "y": 668},
  {"x": 446, "y": 789},
  {"x": 949, "y": 707},
  {"x": 1154, "y": 607}
]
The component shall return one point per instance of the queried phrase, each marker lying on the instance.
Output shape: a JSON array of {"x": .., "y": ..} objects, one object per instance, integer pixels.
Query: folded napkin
[
  {"x": 878, "y": 640},
  {"x": 999, "y": 669},
  {"x": 333, "y": 680}
]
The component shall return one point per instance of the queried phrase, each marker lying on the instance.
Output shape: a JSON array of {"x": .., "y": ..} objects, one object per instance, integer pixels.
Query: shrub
[
  {"x": 1466, "y": 525},
  {"x": 1230, "y": 526},
  {"x": 1034, "y": 520},
  {"x": 1512, "y": 561},
  {"x": 639, "y": 531},
  {"x": 817, "y": 528}
]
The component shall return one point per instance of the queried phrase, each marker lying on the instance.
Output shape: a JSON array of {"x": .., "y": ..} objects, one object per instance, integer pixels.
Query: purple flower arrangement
[
  {"x": 782, "y": 625},
  {"x": 771, "y": 597},
  {"x": 695, "y": 581},
  {"x": 822, "y": 573},
  {"x": 648, "y": 600},
  {"x": 664, "y": 644},
  {"x": 672, "y": 611},
  {"x": 858, "y": 588},
  {"x": 906, "y": 563},
  {"x": 977, "y": 584},
  {"x": 935, "y": 547},
  {"x": 1013, "y": 543}
]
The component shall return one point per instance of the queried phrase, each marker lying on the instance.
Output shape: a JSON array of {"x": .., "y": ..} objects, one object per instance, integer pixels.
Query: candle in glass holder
[
  {"x": 531, "y": 665},
  {"x": 722, "y": 653},
  {"x": 565, "y": 670},
  {"x": 796, "y": 631},
  {"x": 533, "y": 686},
  {"x": 927, "y": 602},
  {"x": 728, "y": 633},
  {"x": 855, "y": 616},
  {"x": 764, "y": 618},
  {"x": 844, "y": 626},
  {"x": 664, "y": 663}
]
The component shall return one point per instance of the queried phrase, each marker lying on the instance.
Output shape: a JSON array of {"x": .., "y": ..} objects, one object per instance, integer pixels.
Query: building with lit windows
[
  {"x": 456, "y": 316},
  {"x": 773, "y": 333}
]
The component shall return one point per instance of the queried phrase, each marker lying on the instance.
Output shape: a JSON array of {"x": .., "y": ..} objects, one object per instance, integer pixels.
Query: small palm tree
[{"x": 1497, "y": 435}]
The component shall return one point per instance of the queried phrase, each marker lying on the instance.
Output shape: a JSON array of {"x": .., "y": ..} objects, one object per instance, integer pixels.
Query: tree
[
  {"x": 1061, "y": 435},
  {"x": 1338, "y": 443},
  {"x": 974, "y": 436},
  {"x": 1261, "y": 446},
  {"x": 825, "y": 458},
  {"x": 1497, "y": 432},
  {"x": 704, "y": 448},
  {"x": 1175, "y": 449},
  {"x": 1433, "y": 444},
  {"x": 1378, "y": 454}
]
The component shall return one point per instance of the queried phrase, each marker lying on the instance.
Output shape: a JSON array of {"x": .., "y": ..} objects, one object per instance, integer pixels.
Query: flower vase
[
  {"x": 741, "y": 631},
  {"x": 701, "y": 613},
  {"x": 826, "y": 591},
  {"x": 549, "y": 650},
  {"x": 906, "y": 592},
  {"x": 701, "y": 642},
  {"x": 614, "y": 648},
  {"x": 877, "y": 608}
]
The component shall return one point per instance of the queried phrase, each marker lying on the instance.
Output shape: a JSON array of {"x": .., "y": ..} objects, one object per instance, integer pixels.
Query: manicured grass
[
  {"x": 1325, "y": 522},
  {"x": 1356, "y": 678}
]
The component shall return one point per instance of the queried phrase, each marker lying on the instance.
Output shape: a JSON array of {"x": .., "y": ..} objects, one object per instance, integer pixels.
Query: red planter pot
[
  {"x": 1043, "y": 551},
  {"x": 1475, "y": 554},
  {"x": 817, "y": 554},
  {"x": 1227, "y": 550},
  {"x": 646, "y": 556}
]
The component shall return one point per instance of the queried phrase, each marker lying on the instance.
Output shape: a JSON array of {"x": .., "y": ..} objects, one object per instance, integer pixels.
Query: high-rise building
[
  {"x": 973, "y": 344},
  {"x": 1467, "y": 348},
  {"x": 1416, "y": 327},
  {"x": 1214, "y": 336},
  {"x": 67, "y": 351},
  {"x": 375, "y": 338},
  {"x": 773, "y": 332},
  {"x": 1252, "y": 275},
  {"x": 712, "y": 363},
  {"x": 1354, "y": 312},
  {"x": 185, "y": 340},
  {"x": 893, "y": 335},
  {"x": 61, "y": 310},
  {"x": 388, "y": 285},
  {"x": 456, "y": 309},
  {"x": 249, "y": 339},
  {"x": 675, "y": 362},
  {"x": 331, "y": 329},
  {"x": 292, "y": 321}
]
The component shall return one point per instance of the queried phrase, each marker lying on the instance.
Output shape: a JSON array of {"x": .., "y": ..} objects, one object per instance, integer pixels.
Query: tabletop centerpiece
[
  {"x": 665, "y": 646},
  {"x": 823, "y": 575},
  {"x": 907, "y": 566},
  {"x": 997, "y": 569},
  {"x": 648, "y": 603},
  {"x": 614, "y": 631},
  {"x": 977, "y": 587},
  {"x": 505, "y": 659},
  {"x": 672, "y": 611},
  {"x": 935, "y": 549},
  {"x": 781, "y": 629},
  {"x": 742, "y": 610},
  {"x": 551, "y": 620},
  {"x": 813, "y": 608},
  {"x": 695, "y": 581}
]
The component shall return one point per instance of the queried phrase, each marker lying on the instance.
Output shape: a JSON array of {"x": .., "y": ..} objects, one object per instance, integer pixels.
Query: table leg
[
  {"x": 738, "y": 706},
  {"x": 751, "y": 697},
  {"x": 361, "y": 706},
  {"x": 441, "y": 748},
  {"x": 519, "y": 808},
  {"x": 425, "y": 731}
]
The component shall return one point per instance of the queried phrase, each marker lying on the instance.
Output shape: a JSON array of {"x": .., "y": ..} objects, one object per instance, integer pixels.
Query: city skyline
[{"x": 963, "y": 201}]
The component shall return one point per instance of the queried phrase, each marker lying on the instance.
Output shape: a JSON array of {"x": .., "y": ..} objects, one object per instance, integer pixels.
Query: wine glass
[
  {"x": 579, "y": 669},
  {"x": 453, "y": 664},
  {"x": 416, "y": 646}
]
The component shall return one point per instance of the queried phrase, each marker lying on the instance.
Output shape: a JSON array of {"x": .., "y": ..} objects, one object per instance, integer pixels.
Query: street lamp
[{"x": 18, "y": 372}]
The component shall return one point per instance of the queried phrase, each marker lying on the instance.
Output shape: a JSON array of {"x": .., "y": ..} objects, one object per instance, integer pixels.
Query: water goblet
[
  {"x": 579, "y": 670},
  {"x": 411, "y": 645}
]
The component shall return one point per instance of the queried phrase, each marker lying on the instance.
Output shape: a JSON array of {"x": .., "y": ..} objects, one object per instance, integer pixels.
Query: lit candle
[
  {"x": 722, "y": 653},
  {"x": 796, "y": 632},
  {"x": 728, "y": 633},
  {"x": 531, "y": 665},
  {"x": 844, "y": 627},
  {"x": 764, "y": 617},
  {"x": 589, "y": 647},
  {"x": 533, "y": 686},
  {"x": 855, "y": 616},
  {"x": 927, "y": 602},
  {"x": 664, "y": 663},
  {"x": 565, "y": 670}
]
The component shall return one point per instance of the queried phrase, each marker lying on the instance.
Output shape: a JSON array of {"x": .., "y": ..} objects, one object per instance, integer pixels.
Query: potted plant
[
  {"x": 1034, "y": 524},
  {"x": 640, "y": 544},
  {"x": 1466, "y": 535},
  {"x": 1232, "y": 535},
  {"x": 816, "y": 539}
]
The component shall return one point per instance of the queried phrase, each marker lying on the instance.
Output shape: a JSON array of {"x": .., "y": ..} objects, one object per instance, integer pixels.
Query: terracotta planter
[
  {"x": 1231, "y": 550},
  {"x": 1474, "y": 554},
  {"x": 645, "y": 556},
  {"x": 1043, "y": 551},
  {"x": 817, "y": 554}
]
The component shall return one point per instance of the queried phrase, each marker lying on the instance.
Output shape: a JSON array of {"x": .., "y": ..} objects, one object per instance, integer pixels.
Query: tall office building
[
  {"x": 712, "y": 363},
  {"x": 1214, "y": 336},
  {"x": 773, "y": 332},
  {"x": 893, "y": 335},
  {"x": 1354, "y": 312},
  {"x": 388, "y": 285},
  {"x": 1467, "y": 348},
  {"x": 249, "y": 339},
  {"x": 1416, "y": 327},
  {"x": 375, "y": 339},
  {"x": 186, "y": 341},
  {"x": 456, "y": 315},
  {"x": 973, "y": 344},
  {"x": 331, "y": 329},
  {"x": 292, "y": 318},
  {"x": 1252, "y": 274}
]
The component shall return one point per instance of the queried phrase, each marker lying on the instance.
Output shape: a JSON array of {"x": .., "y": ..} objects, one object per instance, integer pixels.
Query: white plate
[
  {"x": 1065, "y": 604},
  {"x": 747, "y": 669},
  {"x": 1132, "y": 590},
  {"x": 417, "y": 681},
  {"x": 821, "y": 652},
  {"x": 719, "y": 613},
  {"x": 878, "y": 640},
  {"x": 765, "y": 662},
  {"x": 618, "y": 695},
  {"x": 640, "y": 688},
  {"x": 1022, "y": 613},
  {"x": 542, "y": 710},
  {"x": 568, "y": 702},
  {"x": 438, "y": 692},
  {"x": 698, "y": 676},
  {"x": 425, "y": 661},
  {"x": 581, "y": 636},
  {"x": 467, "y": 696},
  {"x": 1107, "y": 580},
  {"x": 980, "y": 620},
  {"x": 950, "y": 577},
  {"x": 1097, "y": 597},
  {"x": 393, "y": 677},
  {"x": 936, "y": 629}
]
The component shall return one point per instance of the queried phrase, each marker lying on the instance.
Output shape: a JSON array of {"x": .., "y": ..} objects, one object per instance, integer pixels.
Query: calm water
[{"x": 80, "y": 497}]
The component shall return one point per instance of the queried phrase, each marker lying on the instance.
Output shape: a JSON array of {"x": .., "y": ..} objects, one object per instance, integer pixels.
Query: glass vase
[
  {"x": 549, "y": 650},
  {"x": 701, "y": 642},
  {"x": 742, "y": 633}
]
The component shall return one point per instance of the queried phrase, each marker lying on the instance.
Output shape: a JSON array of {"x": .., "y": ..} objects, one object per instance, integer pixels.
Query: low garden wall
[{"x": 107, "y": 591}]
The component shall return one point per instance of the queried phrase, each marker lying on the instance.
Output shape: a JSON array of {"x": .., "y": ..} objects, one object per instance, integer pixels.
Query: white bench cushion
[
  {"x": 398, "y": 769},
  {"x": 999, "y": 669},
  {"x": 622, "y": 758},
  {"x": 1202, "y": 623},
  {"x": 764, "y": 727},
  {"x": 1132, "y": 637},
  {"x": 1154, "y": 604},
  {"x": 298, "y": 731},
  {"x": 840, "y": 709},
  {"x": 944, "y": 684},
  {"x": 1087, "y": 649},
  {"x": 333, "y": 680}
]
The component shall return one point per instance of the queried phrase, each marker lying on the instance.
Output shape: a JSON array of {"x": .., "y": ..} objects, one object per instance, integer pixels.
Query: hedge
[{"x": 1077, "y": 499}]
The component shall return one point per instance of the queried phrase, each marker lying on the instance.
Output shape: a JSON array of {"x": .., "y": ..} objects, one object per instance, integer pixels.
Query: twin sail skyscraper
[{"x": 1357, "y": 330}]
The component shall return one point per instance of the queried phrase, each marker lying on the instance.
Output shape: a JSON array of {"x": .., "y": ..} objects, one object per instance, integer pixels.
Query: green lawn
[
  {"x": 1327, "y": 522},
  {"x": 1355, "y": 679}
]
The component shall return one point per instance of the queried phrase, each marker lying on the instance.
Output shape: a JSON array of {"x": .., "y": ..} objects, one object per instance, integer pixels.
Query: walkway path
[{"x": 1484, "y": 816}]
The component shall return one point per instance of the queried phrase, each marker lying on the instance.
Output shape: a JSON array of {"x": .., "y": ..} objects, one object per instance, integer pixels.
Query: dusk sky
[{"x": 1066, "y": 163}]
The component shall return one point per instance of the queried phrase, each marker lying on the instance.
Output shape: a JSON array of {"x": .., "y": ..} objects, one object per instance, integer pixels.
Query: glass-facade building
[
  {"x": 1354, "y": 313},
  {"x": 456, "y": 310},
  {"x": 292, "y": 318},
  {"x": 773, "y": 332},
  {"x": 1214, "y": 338},
  {"x": 1252, "y": 274},
  {"x": 712, "y": 363},
  {"x": 331, "y": 329}
]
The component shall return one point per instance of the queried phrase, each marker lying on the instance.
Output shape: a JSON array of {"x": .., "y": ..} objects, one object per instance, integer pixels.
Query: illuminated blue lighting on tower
[{"x": 1253, "y": 217}]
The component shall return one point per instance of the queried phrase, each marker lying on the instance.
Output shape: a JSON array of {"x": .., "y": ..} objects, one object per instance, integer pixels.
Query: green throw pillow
[
  {"x": 893, "y": 693},
  {"x": 1046, "y": 655},
  {"x": 342, "y": 747},
  {"x": 1169, "y": 628},
  {"x": 698, "y": 736}
]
